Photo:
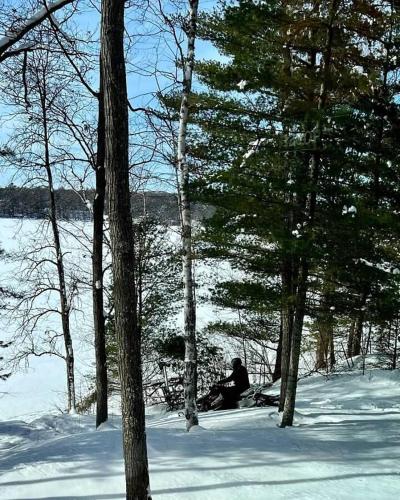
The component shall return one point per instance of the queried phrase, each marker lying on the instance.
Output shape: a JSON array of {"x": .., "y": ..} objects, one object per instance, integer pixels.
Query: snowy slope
[
  {"x": 41, "y": 387},
  {"x": 345, "y": 445}
]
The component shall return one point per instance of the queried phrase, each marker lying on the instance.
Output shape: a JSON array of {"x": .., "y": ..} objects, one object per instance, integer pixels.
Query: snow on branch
[
  {"x": 254, "y": 147},
  {"x": 382, "y": 267},
  {"x": 13, "y": 37}
]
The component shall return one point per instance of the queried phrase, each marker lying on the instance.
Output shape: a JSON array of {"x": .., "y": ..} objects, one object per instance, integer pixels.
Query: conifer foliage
[{"x": 298, "y": 151}]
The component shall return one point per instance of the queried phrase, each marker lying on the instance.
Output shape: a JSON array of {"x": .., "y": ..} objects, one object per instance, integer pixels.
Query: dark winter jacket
[{"x": 240, "y": 378}]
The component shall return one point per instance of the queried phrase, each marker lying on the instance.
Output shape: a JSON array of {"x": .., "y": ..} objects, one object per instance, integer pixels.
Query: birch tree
[
  {"x": 190, "y": 377},
  {"x": 122, "y": 249}
]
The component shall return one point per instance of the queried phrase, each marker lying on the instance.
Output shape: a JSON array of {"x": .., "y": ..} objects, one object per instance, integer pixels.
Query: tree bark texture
[
  {"x": 321, "y": 362},
  {"x": 291, "y": 389},
  {"x": 358, "y": 333},
  {"x": 357, "y": 327},
  {"x": 122, "y": 249},
  {"x": 277, "y": 373},
  {"x": 332, "y": 355},
  {"x": 190, "y": 377},
  {"x": 395, "y": 347},
  {"x": 325, "y": 352},
  {"x": 287, "y": 326},
  {"x": 97, "y": 271},
  {"x": 351, "y": 339}
]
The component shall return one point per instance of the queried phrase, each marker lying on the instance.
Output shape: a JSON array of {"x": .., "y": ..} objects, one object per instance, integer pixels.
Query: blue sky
[{"x": 147, "y": 51}]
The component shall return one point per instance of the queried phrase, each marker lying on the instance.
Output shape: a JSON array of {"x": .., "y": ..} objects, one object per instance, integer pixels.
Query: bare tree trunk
[
  {"x": 287, "y": 271},
  {"x": 358, "y": 332},
  {"x": 321, "y": 350},
  {"x": 325, "y": 355},
  {"x": 301, "y": 296},
  {"x": 64, "y": 305},
  {"x": 97, "y": 244},
  {"x": 122, "y": 249},
  {"x": 190, "y": 378},
  {"x": 395, "y": 348},
  {"x": 287, "y": 327},
  {"x": 351, "y": 339},
  {"x": 290, "y": 399},
  {"x": 332, "y": 356},
  {"x": 97, "y": 270},
  {"x": 358, "y": 328},
  {"x": 277, "y": 373},
  {"x": 325, "y": 344}
]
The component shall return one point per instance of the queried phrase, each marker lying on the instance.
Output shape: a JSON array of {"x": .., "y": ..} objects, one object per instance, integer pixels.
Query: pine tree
[
  {"x": 286, "y": 165},
  {"x": 159, "y": 293}
]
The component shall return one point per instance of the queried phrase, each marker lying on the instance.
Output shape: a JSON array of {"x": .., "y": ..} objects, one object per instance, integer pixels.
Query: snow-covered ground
[
  {"x": 345, "y": 445},
  {"x": 40, "y": 386}
]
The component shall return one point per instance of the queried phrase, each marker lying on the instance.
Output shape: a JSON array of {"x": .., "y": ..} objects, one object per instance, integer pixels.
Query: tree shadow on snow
[
  {"x": 70, "y": 450},
  {"x": 236, "y": 484},
  {"x": 111, "y": 496}
]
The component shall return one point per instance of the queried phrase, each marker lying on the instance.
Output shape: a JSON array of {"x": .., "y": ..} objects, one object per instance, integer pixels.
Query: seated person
[{"x": 240, "y": 378}]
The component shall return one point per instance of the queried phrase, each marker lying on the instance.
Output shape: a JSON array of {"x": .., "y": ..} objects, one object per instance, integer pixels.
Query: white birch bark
[{"x": 190, "y": 379}]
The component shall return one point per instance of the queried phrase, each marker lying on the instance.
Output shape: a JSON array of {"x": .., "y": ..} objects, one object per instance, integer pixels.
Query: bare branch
[{"x": 12, "y": 38}]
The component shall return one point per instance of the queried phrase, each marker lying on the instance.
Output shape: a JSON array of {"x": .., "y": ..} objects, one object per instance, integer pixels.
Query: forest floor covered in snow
[{"x": 345, "y": 445}]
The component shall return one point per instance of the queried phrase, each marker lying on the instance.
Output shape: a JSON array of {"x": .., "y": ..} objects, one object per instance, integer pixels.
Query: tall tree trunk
[
  {"x": 332, "y": 356},
  {"x": 287, "y": 271},
  {"x": 287, "y": 326},
  {"x": 277, "y": 373},
  {"x": 395, "y": 347},
  {"x": 97, "y": 270},
  {"x": 321, "y": 362},
  {"x": 64, "y": 305},
  {"x": 350, "y": 340},
  {"x": 325, "y": 345},
  {"x": 300, "y": 306},
  {"x": 358, "y": 333},
  {"x": 290, "y": 399},
  {"x": 122, "y": 249},
  {"x": 325, "y": 358},
  {"x": 288, "y": 413},
  {"x": 190, "y": 378}
]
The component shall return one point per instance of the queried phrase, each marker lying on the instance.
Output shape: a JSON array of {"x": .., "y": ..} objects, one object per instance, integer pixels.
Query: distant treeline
[{"x": 16, "y": 201}]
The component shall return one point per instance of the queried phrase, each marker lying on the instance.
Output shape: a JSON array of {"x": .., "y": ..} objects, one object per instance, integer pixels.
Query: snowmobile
[{"x": 250, "y": 398}]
